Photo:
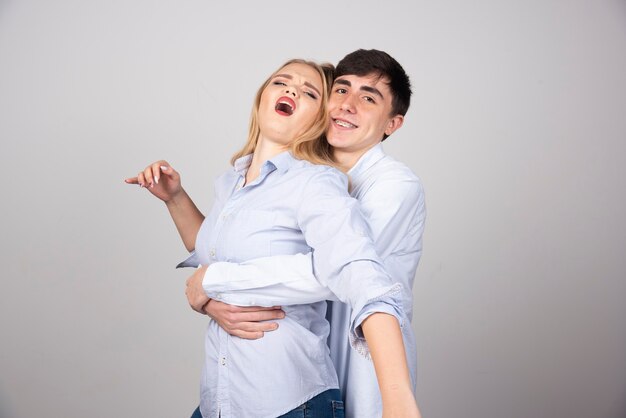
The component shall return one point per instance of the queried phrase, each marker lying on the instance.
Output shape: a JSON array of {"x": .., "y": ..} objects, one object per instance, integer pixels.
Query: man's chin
[
  {"x": 336, "y": 140},
  {"x": 336, "y": 143}
]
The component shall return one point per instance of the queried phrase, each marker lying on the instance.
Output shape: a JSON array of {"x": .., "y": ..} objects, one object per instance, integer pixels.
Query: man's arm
[
  {"x": 267, "y": 281},
  {"x": 244, "y": 322}
]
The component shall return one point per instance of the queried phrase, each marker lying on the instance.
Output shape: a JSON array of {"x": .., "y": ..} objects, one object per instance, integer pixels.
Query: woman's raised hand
[{"x": 160, "y": 179}]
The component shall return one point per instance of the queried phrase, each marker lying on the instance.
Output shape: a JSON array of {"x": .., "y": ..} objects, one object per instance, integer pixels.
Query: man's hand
[
  {"x": 196, "y": 296},
  {"x": 243, "y": 322}
]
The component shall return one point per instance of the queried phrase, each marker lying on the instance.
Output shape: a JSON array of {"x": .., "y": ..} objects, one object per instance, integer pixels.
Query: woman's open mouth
[{"x": 285, "y": 106}]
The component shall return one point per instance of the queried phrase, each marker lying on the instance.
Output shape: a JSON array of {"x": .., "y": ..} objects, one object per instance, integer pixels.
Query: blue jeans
[{"x": 325, "y": 405}]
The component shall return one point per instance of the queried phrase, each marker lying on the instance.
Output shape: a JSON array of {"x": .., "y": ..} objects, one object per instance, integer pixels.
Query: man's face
[{"x": 360, "y": 113}]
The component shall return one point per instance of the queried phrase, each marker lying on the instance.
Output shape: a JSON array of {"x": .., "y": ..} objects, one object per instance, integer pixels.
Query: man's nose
[{"x": 347, "y": 103}]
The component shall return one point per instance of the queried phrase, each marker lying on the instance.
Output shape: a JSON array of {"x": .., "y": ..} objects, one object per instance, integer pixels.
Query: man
[{"x": 370, "y": 96}]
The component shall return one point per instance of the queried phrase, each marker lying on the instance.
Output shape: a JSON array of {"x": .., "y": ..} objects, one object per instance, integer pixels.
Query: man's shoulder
[
  {"x": 389, "y": 168},
  {"x": 388, "y": 173}
]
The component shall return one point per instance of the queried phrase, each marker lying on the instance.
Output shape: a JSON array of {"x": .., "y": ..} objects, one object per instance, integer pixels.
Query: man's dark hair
[{"x": 364, "y": 62}]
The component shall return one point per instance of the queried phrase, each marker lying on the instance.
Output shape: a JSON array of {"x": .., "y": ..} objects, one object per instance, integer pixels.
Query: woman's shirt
[{"x": 292, "y": 207}]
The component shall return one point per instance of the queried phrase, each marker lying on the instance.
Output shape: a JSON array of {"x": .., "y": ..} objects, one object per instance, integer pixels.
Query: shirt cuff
[
  {"x": 191, "y": 261},
  {"x": 389, "y": 303}
]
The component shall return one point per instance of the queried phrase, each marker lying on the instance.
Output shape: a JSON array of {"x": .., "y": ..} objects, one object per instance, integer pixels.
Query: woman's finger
[
  {"x": 147, "y": 173},
  {"x": 141, "y": 179},
  {"x": 156, "y": 171},
  {"x": 131, "y": 180},
  {"x": 169, "y": 171}
]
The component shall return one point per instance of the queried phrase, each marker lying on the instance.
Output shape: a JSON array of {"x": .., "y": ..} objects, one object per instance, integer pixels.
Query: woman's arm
[
  {"x": 186, "y": 215},
  {"x": 384, "y": 339}
]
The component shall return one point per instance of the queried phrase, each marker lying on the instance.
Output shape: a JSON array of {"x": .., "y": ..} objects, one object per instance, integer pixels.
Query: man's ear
[{"x": 394, "y": 124}]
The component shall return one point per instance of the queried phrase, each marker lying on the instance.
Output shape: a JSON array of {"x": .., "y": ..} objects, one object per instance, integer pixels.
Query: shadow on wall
[{"x": 5, "y": 410}]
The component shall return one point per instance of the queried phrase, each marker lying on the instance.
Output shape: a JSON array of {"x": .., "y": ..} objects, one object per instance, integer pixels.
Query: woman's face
[{"x": 290, "y": 103}]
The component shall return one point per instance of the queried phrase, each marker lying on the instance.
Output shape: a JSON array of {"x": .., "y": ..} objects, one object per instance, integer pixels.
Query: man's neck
[{"x": 345, "y": 160}]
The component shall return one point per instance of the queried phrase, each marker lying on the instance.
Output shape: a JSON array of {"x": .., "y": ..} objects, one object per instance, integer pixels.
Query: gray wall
[{"x": 517, "y": 129}]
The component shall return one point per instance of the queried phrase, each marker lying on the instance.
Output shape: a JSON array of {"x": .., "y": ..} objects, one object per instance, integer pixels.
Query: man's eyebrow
[
  {"x": 368, "y": 89},
  {"x": 306, "y": 83},
  {"x": 372, "y": 90}
]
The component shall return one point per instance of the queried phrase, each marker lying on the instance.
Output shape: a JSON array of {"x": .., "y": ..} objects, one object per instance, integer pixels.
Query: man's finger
[
  {"x": 248, "y": 335},
  {"x": 258, "y": 326},
  {"x": 261, "y": 316},
  {"x": 234, "y": 308}
]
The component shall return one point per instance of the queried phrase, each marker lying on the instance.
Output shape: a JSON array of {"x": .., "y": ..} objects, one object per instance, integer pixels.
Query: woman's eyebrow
[{"x": 306, "y": 83}]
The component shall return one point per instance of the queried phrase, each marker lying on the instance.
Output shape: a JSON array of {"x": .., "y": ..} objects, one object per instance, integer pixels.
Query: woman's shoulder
[
  {"x": 311, "y": 169},
  {"x": 321, "y": 177}
]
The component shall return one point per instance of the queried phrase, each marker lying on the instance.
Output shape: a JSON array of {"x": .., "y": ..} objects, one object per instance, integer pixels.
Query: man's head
[
  {"x": 370, "y": 96},
  {"x": 372, "y": 62}
]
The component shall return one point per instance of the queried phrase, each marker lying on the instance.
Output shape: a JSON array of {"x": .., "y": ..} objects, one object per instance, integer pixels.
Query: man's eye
[
  {"x": 369, "y": 99},
  {"x": 341, "y": 91}
]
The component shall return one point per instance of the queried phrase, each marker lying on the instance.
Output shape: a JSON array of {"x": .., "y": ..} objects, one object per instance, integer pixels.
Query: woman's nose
[{"x": 291, "y": 90}]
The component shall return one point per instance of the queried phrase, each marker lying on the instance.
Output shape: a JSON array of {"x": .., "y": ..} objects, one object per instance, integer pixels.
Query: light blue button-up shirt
[
  {"x": 292, "y": 207},
  {"x": 392, "y": 200}
]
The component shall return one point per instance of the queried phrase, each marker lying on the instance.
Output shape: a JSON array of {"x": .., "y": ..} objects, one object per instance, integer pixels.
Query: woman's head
[{"x": 290, "y": 108}]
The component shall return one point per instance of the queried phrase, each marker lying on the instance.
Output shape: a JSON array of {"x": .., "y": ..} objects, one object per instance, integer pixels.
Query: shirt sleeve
[
  {"x": 267, "y": 281},
  {"x": 395, "y": 211},
  {"x": 191, "y": 261},
  {"x": 344, "y": 256}
]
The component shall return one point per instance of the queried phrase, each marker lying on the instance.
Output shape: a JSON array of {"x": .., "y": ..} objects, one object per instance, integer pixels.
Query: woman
[{"x": 276, "y": 202}]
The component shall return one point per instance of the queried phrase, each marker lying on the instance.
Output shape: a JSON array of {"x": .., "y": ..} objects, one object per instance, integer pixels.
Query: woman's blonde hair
[{"x": 311, "y": 145}]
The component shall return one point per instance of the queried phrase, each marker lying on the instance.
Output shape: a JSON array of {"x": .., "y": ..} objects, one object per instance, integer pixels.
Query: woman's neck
[{"x": 265, "y": 149}]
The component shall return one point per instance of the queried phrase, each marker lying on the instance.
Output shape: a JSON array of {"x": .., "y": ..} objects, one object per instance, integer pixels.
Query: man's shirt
[
  {"x": 392, "y": 201},
  {"x": 292, "y": 207}
]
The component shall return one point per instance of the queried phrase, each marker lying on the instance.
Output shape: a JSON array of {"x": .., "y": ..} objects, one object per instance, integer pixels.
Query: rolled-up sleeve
[
  {"x": 191, "y": 261},
  {"x": 344, "y": 256},
  {"x": 267, "y": 281}
]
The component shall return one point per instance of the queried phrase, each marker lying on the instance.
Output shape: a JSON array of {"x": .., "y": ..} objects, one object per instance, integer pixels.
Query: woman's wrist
[{"x": 177, "y": 199}]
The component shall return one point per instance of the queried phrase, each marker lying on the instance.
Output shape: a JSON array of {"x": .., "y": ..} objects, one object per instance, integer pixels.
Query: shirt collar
[
  {"x": 281, "y": 162},
  {"x": 241, "y": 164},
  {"x": 371, "y": 157}
]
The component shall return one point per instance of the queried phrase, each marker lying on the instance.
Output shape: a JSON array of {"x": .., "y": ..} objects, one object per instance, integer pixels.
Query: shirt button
[{"x": 223, "y": 361}]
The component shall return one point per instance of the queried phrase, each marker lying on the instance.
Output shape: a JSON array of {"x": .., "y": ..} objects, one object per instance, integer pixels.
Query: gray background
[{"x": 517, "y": 129}]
